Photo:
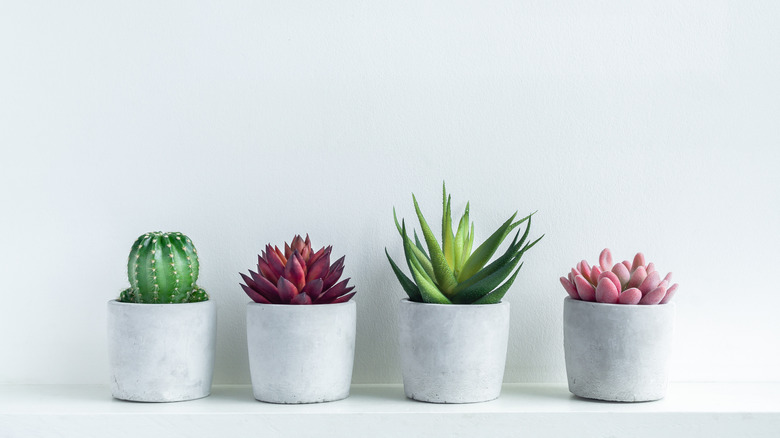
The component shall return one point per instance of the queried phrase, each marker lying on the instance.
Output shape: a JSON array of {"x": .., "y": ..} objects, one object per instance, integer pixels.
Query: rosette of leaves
[{"x": 451, "y": 273}]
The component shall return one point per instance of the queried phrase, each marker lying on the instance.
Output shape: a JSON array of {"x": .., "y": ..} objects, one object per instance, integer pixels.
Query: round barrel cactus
[{"x": 163, "y": 268}]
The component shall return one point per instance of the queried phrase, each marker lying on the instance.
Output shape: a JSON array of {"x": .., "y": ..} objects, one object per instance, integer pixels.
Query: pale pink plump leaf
[
  {"x": 654, "y": 296},
  {"x": 595, "y": 271},
  {"x": 606, "y": 292},
  {"x": 585, "y": 269},
  {"x": 637, "y": 277},
  {"x": 650, "y": 267},
  {"x": 639, "y": 260},
  {"x": 668, "y": 278},
  {"x": 585, "y": 290},
  {"x": 613, "y": 278},
  {"x": 570, "y": 288},
  {"x": 622, "y": 274},
  {"x": 605, "y": 260},
  {"x": 627, "y": 264},
  {"x": 630, "y": 296},
  {"x": 669, "y": 294},
  {"x": 650, "y": 282}
]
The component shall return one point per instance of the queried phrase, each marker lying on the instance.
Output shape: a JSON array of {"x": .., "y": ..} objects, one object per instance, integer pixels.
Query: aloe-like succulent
[
  {"x": 620, "y": 283},
  {"x": 297, "y": 276},
  {"x": 451, "y": 273},
  {"x": 163, "y": 268}
]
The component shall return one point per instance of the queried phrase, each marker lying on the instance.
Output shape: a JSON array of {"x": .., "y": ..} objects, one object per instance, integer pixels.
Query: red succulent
[{"x": 297, "y": 276}]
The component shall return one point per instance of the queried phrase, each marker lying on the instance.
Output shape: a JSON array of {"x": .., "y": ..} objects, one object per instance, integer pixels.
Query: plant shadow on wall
[{"x": 454, "y": 328}]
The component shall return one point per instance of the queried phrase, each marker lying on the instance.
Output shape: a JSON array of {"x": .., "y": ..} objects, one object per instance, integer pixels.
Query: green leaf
[
  {"x": 460, "y": 240},
  {"x": 496, "y": 296},
  {"x": 409, "y": 287},
  {"x": 429, "y": 292},
  {"x": 513, "y": 250},
  {"x": 425, "y": 261},
  {"x": 467, "y": 248},
  {"x": 420, "y": 246},
  {"x": 487, "y": 284},
  {"x": 486, "y": 250},
  {"x": 447, "y": 237},
  {"x": 444, "y": 276}
]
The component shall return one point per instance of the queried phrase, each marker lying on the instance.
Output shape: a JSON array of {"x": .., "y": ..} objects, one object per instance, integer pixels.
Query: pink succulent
[
  {"x": 620, "y": 283},
  {"x": 297, "y": 276}
]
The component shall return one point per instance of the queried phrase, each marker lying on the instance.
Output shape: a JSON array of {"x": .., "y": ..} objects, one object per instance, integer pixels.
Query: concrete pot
[
  {"x": 161, "y": 352},
  {"x": 617, "y": 352},
  {"x": 453, "y": 353},
  {"x": 300, "y": 353}
]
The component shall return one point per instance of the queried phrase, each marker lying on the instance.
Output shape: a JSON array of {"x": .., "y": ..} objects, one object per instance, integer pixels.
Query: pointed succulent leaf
[
  {"x": 287, "y": 290},
  {"x": 266, "y": 270},
  {"x": 344, "y": 298},
  {"x": 294, "y": 271},
  {"x": 484, "y": 286},
  {"x": 256, "y": 297},
  {"x": 420, "y": 246},
  {"x": 570, "y": 288},
  {"x": 496, "y": 296},
  {"x": 460, "y": 242},
  {"x": 407, "y": 284},
  {"x": 321, "y": 267},
  {"x": 485, "y": 251},
  {"x": 313, "y": 288},
  {"x": 336, "y": 291},
  {"x": 447, "y": 238},
  {"x": 262, "y": 286},
  {"x": 301, "y": 299},
  {"x": 411, "y": 251},
  {"x": 630, "y": 296},
  {"x": 512, "y": 251},
  {"x": 316, "y": 256},
  {"x": 585, "y": 290},
  {"x": 274, "y": 261},
  {"x": 335, "y": 273},
  {"x": 468, "y": 246},
  {"x": 428, "y": 290},
  {"x": 444, "y": 276}
]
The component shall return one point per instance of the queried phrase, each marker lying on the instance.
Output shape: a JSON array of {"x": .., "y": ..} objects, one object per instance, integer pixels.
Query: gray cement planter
[
  {"x": 301, "y": 353},
  {"x": 617, "y": 352},
  {"x": 453, "y": 353},
  {"x": 161, "y": 352}
]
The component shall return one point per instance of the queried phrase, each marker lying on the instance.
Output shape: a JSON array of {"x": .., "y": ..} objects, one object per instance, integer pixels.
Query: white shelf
[{"x": 533, "y": 410}]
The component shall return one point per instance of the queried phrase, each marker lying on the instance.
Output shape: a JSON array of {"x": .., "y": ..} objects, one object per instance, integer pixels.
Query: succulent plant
[
  {"x": 297, "y": 276},
  {"x": 163, "y": 268},
  {"x": 621, "y": 283},
  {"x": 450, "y": 273}
]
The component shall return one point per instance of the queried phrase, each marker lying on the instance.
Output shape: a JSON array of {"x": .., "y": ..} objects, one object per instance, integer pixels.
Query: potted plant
[
  {"x": 618, "y": 324},
  {"x": 162, "y": 329},
  {"x": 454, "y": 327},
  {"x": 300, "y": 325}
]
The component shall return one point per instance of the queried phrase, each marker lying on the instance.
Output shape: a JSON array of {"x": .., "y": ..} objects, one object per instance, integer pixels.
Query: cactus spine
[{"x": 163, "y": 268}]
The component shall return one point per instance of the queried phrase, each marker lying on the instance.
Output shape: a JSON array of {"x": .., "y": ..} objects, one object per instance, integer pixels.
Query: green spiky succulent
[
  {"x": 451, "y": 273},
  {"x": 163, "y": 268}
]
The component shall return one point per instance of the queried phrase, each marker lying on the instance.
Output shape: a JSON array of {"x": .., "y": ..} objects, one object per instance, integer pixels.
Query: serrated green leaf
[
  {"x": 406, "y": 283},
  {"x": 496, "y": 296},
  {"x": 425, "y": 261},
  {"x": 443, "y": 274},
  {"x": 486, "y": 250},
  {"x": 429, "y": 292},
  {"x": 487, "y": 284}
]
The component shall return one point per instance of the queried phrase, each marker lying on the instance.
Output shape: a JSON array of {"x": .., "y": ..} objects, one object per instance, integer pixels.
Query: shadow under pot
[
  {"x": 617, "y": 352},
  {"x": 301, "y": 353},
  {"x": 453, "y": 353},
  {"x": 161, "y": 352}
]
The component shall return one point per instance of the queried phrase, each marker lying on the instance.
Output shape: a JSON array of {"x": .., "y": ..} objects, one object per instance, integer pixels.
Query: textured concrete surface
[
  {"x": 453, "y": 353},
  {"x": 301, "y": 353},
  {"x": 161, "y": 352},
  {"x": 618, "y": 352}
]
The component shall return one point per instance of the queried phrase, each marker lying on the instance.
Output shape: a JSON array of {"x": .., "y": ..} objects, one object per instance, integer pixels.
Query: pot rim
[
  {"x": 350, "y": 302},
  {"x": 116, "y": 302},
  {"x": 453, "y": 305},
  {"x": 627, "y": 306}
]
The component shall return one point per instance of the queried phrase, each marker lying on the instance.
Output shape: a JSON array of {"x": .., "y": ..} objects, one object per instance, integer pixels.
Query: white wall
[{"x": 647, "y": 126}]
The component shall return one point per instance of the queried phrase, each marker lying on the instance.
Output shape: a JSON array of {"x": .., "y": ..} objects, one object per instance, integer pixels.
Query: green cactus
[{"x": 163, "y": 268}]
